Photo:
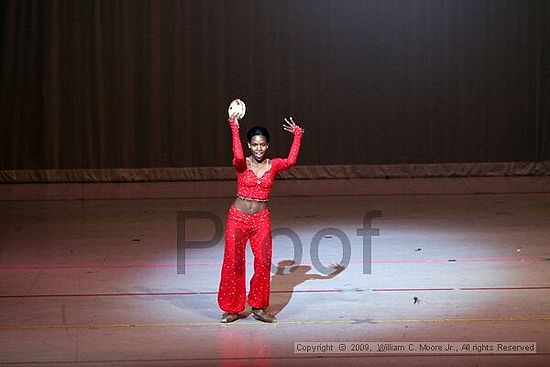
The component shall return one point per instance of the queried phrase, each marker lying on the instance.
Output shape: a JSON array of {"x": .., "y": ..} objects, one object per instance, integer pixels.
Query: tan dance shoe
[
  {"x": 260, "y": 314},
  {"x": 229, "y": 317}
]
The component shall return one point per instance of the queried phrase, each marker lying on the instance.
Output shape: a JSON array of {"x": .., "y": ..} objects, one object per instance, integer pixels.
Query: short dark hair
[{"x": 257, "y": 130}]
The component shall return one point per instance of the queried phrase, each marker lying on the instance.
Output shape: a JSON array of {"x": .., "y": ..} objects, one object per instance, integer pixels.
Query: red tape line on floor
[{"x": 155, "y": 266}]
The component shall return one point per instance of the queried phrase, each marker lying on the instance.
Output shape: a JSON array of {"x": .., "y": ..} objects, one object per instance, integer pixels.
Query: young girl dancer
[{"x": 248, "y": 219}]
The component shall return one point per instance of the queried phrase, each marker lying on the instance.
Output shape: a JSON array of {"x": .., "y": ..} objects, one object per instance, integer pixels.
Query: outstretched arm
[
  {"x": 290, "y": 161},
  {"x": 239, "y": 161}
]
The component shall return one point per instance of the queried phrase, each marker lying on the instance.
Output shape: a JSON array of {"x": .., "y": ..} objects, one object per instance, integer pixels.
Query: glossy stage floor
[{"x": 89, "y": 273}]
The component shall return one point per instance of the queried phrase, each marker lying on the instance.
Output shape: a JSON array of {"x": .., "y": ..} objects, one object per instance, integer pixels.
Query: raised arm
[
  {"x": 290, "y": 161},
  {"x": 239, "y": 161}
]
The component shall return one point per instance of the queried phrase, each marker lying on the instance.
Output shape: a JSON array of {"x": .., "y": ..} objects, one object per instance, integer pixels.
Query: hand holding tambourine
[{"x": 236, "y": 109}]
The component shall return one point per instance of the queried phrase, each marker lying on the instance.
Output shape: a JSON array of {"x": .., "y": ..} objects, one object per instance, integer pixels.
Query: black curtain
[{"x": 130, "y": 84}]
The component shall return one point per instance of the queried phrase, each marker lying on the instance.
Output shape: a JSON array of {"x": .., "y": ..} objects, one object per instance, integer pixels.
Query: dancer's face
[{"x": 258, "y": 146}]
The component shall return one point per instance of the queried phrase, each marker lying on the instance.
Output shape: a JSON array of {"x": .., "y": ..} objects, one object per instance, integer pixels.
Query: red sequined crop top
[{"x": 250, "y": 186}]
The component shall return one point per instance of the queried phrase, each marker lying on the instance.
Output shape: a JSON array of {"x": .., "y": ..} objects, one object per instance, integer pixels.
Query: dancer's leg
[
  {"x": 232, "y": 291},
  {"x": 261, "y": 243}
]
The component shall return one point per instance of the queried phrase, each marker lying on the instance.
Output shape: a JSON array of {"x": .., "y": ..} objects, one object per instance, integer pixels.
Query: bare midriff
[{"x": 249, "y": 206}]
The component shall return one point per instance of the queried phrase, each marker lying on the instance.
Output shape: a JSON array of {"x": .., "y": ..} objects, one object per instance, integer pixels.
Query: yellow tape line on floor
[{"x": 255, "y": 323}]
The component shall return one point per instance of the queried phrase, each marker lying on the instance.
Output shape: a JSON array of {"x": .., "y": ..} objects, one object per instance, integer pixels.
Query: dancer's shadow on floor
[{"x": 283, "y": 283}]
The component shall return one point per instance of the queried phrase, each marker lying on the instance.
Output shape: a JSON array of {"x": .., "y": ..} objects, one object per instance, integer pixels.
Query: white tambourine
[{"x": 236, "y": 109}]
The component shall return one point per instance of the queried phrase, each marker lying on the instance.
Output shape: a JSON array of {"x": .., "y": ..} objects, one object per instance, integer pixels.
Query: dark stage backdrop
[{"x": 131, "y": 84}]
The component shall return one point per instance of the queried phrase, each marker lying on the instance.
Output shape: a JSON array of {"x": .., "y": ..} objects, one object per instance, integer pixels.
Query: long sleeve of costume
[
  {"x": 286, "y": 163},
  {"x": 239, "y": 161}
]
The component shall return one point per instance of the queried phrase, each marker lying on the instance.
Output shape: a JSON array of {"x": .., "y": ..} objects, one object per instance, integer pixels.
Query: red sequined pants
[{"x": 240, "y": 228}]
